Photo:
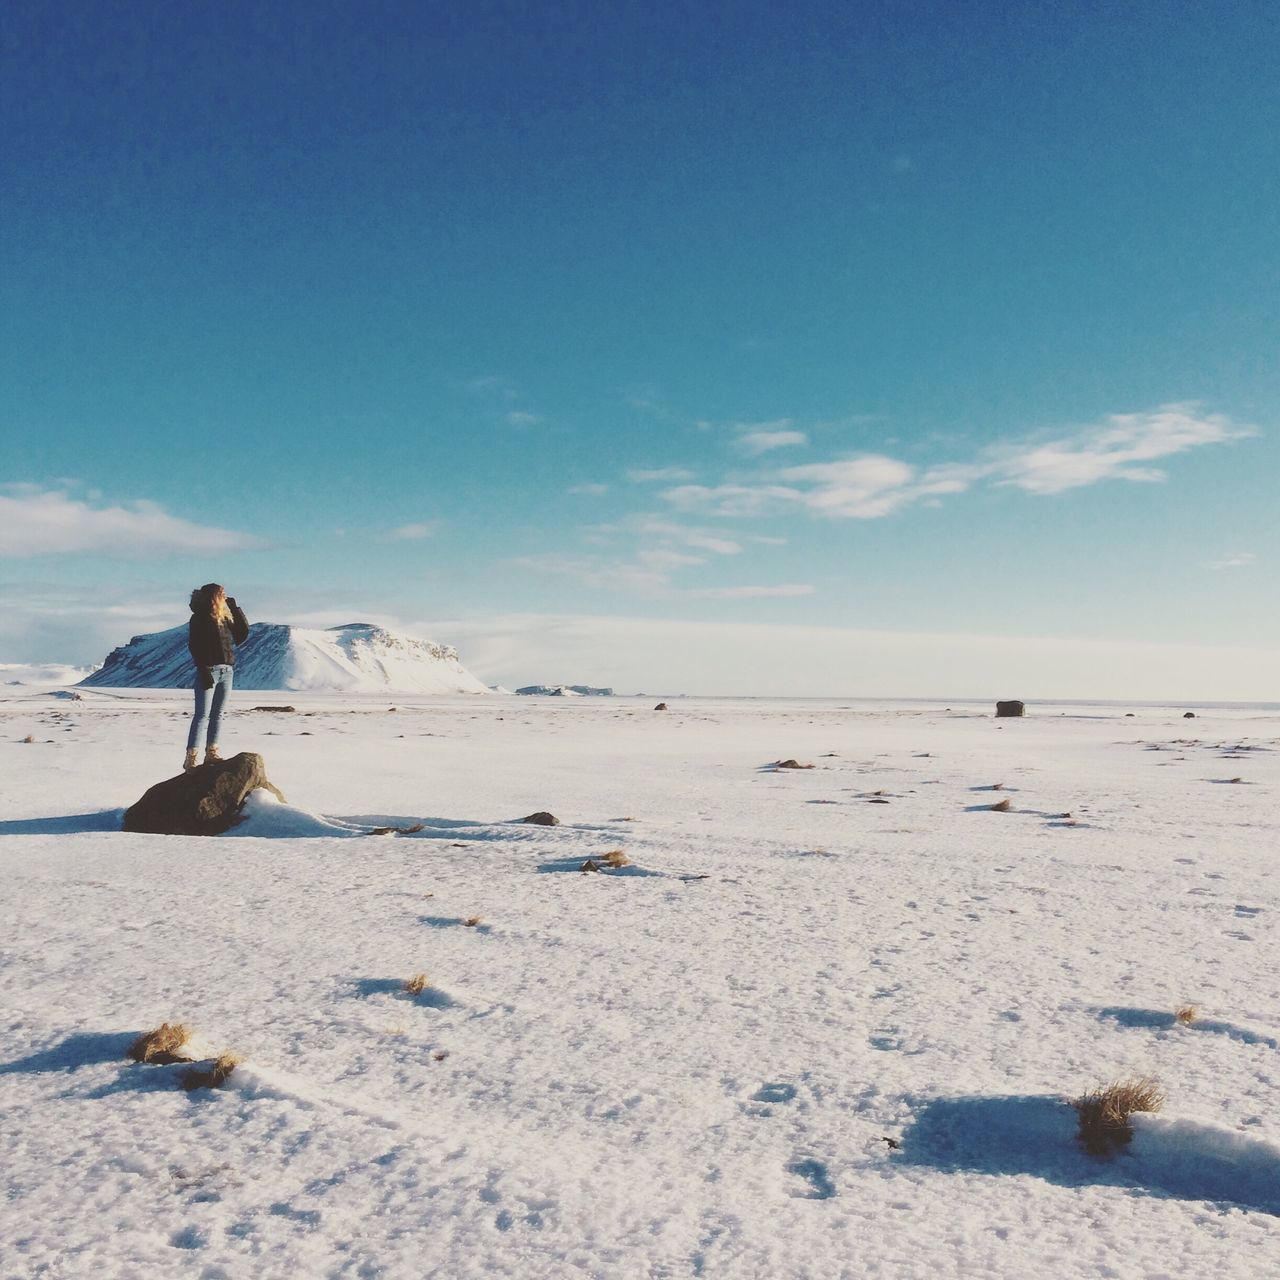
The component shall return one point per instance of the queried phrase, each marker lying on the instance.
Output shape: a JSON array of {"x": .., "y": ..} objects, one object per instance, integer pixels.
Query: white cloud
[
  {"x": 754, "y": 443},
  {"x": 522, "y": 418},
  {"x": 1114, "y": 449},
  {"x": 413, "y": 532},
  {"x": 1233, "y": 560},
  {"x": 589, "y": 490},
  {"x": 860, "y": 488},
  {"x": 730, "y": 500},
  {"x": 41, "y": 522},
  {"x": 871, "y": 486},
  {"x": 640, "y": 475}
]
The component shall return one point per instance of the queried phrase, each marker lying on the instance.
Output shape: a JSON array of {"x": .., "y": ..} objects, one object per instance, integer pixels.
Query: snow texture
[
  {"x": 802, "y": 1034},
  {"x": 358, "y": 657}
]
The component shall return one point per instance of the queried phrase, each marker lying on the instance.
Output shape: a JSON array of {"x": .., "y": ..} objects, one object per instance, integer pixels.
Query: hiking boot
[
  {"x": 212, "y": 755},
  {"x": 190, "y": 762}
]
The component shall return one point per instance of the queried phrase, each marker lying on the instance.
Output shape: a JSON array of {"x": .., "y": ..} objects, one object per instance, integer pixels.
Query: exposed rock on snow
[
  {"x": 565, "y": 691},
  {"x": 542, "y": 819},
  {"x": 1011, "y": 708},
  {"x": 357, "y": 657},
  {"x": 203, "y": 802}
]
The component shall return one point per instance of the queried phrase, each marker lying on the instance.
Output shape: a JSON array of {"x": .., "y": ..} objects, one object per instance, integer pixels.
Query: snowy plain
[{"x": 844, "y": 1052}]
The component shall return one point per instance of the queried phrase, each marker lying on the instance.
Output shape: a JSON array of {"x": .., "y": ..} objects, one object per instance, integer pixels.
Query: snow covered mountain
[{"x": 356, "y": 658}]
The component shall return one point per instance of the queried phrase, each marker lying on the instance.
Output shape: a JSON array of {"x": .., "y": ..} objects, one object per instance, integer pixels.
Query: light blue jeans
[{"x": 209, "y": 704}]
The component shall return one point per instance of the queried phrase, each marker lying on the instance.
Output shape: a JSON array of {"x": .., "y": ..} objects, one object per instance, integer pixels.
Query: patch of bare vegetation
[
  {"x": 162, "y": 1046},
  {"x": 471, "y": 921},
  {"x": 416, "y": 985},
  {"x": 792, "y": 764},
  {"x": 615, "y": 858},
  {"x": 1186, "y": 1014},
  {"x": 1001, "y": 806},
  {"x": 1104, "y": 1112},
  {"x": 212, "y": 1076}
]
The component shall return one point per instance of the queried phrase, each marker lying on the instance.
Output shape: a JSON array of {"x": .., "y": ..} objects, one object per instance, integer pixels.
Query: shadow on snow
[{"x": 1036, "y": 1136}]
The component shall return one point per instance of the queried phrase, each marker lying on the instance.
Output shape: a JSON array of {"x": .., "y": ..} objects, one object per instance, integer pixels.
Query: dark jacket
[{"x": 212, "y": 642}]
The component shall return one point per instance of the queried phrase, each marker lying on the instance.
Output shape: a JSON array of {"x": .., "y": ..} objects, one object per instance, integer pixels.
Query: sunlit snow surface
[{"x": 637, "y": 1073}]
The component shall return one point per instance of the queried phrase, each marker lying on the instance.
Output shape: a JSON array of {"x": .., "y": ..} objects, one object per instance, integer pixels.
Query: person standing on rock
[{"x": 217, "y": 625}]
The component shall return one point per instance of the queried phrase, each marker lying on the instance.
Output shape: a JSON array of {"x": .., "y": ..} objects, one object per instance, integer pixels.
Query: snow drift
[{"x": 357, "y": 657}]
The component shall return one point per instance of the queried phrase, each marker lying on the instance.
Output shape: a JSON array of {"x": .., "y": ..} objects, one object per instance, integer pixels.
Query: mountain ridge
[{"x": 355, "y": 657}]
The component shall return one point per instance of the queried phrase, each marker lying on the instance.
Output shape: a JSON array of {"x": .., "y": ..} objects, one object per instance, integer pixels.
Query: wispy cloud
[
  {"x": 641, "y": 475},
  {"x": 414, "y": 532},
  {"x": 1115, "y": 449},
  {"x": 589, "y": 490},
  {"x": 765, "y": 439},
  {"x": 1233, "y": 560},
  {"x": 522, "y": 418},
  {"x": 43, "y": 522},
  {"x": 871, "y": 486}
]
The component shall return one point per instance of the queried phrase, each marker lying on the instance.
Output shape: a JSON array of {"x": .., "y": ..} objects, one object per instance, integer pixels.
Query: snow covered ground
[{"x": 844, "y": 1052}]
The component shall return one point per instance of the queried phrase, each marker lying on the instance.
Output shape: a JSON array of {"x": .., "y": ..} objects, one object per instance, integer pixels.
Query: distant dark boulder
[
  {"x": 662, "y": 706},
  {"x": 1011, "y": 708},
  {"x": 202, "y": 802},
  {"x": 542, "y": 819},
  {"x": 1188, "y": 715}
]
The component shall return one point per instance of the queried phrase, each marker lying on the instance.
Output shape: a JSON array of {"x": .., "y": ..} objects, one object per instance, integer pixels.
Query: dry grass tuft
[
  {"x": 791, "y": 764},
  {"x": 210, "y": 1078},
  {"x": 615, "y": 858},
  {"x": 1186, "y": 1014},
  {"x": 416, "y": 985},
  {"x": 471, "y": 921},
  {"x": 1104, "y": 1112},
  {"x": 163, "y": 1045},
  {"x": 1001, "y": 806},
  {"x": 31, "y": 737}
]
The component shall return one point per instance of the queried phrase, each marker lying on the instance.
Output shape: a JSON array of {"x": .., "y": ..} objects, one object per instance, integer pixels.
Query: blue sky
[{"x": 918, "y": 319}]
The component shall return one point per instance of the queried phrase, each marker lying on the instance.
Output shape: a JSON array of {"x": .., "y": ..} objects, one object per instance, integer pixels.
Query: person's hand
[{"x": 231, "y": 602}]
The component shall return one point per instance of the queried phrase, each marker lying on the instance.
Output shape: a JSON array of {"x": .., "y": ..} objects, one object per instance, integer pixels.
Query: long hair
[{"x": 211, "y": 599}]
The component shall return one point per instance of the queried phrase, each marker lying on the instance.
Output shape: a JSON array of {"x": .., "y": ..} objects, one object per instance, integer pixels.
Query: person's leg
[
  {"x": 222, "y": 681},
  {"x": 201, "y": 716}
]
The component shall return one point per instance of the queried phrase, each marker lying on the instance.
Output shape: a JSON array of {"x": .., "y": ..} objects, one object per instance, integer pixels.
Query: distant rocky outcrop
[
  {"x": 1011, "y": 708},
  {"x": 564, "y": 691},
  {"x": 355, "y": 658},
  {"x": 201, "y": 802}
]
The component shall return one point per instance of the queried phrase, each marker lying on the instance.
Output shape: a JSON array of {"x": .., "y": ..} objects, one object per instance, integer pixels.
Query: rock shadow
[
  {"x": 66, "y": 824},
  {"x": 1159, "y": 1020},
  {"x": 1036, "y": 1136},
  {"x": 451, "y": 922},
  {"x": 83, "y": 1049},
  {"x": 559, "y": 865},
  {"x": 427, "y": 998}
]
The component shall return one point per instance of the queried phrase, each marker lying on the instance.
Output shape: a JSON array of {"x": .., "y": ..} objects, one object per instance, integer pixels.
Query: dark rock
[
  {"x": 273, "y": 709},
  {"x": 542, "y": 819},
  {"x": 662, "y": 706},
  {"x": 1188, "y": 715},
  {"x": 1011, "y": 708},
  {"x": 203, "y": 802}
]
